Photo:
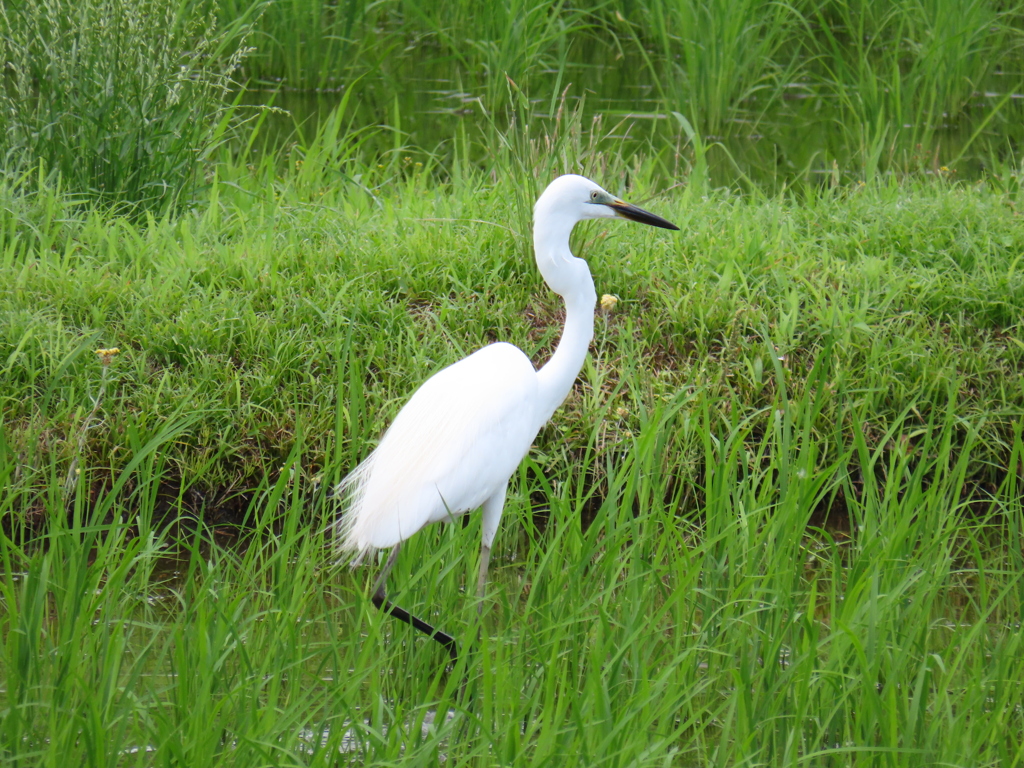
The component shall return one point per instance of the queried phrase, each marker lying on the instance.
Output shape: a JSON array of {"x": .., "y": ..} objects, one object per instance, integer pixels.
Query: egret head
[
  {"x": 571, "y": 198},
  {"x": 567, "y": 200}
]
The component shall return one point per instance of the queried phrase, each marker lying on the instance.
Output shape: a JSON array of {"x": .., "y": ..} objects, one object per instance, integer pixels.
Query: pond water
[{"x": 801, "y": 137}]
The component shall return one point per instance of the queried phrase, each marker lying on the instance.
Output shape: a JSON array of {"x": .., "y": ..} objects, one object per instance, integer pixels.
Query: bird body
[
  {"x": 453, "y": 447},
  {"x": 482, "y": 412}
]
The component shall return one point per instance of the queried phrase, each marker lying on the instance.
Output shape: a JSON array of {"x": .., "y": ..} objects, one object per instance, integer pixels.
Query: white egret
[{"x": 456, "y": 443}]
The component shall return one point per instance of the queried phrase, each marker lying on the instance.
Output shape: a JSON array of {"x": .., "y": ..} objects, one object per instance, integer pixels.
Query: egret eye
[{"x": 593, "y": 195}]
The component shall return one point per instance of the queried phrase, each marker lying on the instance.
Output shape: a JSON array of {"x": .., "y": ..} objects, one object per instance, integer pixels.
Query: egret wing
[{"x": 452, "y": 446}]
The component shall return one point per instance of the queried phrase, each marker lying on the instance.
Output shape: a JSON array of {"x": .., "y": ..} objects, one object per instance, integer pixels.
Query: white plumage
[
  {"x": 455, "y": 444},
  {"x": 480, "y": 414}
]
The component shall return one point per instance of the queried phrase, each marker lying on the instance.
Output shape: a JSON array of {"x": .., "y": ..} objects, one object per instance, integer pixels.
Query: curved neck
[{"x": 558, "y": 375}]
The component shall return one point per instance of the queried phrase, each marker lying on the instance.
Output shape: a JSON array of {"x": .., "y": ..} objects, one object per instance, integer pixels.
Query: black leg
[
  {"x": 381, "y": 601},
  {"x": 443, "y": 638}
]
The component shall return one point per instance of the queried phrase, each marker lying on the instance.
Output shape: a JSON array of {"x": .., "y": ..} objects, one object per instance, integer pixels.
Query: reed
[
  {"x": 120, "y": 102},
  {"x": 904, "y": 72},
  {"x": 721, "y": 64}
]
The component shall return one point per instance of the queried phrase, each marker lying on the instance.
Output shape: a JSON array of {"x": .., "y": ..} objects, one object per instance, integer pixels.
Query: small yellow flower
[
  {"x": 106, "y": 355},
  {"x": 608, "y": 302}
]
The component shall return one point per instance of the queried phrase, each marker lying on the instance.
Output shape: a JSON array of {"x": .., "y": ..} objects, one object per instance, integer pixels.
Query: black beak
[{"x": 627, "y": 211}]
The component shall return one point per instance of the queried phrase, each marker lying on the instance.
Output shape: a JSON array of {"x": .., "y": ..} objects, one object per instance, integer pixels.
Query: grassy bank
[
  {"x": 778, "y": 521},
  {"x": 291, "y": 304}
]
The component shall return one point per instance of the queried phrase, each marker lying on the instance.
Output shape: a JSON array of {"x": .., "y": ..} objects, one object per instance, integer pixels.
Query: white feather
[{"x": 453, "y": 446}]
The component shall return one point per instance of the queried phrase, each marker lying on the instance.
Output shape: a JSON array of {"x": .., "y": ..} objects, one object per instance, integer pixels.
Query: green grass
[
  {"x": 261, "y": 312},
  {"x": 902, "y": 73},
  {"x": 786, "y": 89},
  {"x": 120, "y": 102},
  {"x": 875, "y": 87},
  {"x": 778, "y": 521},
  {"x": 713, "y": 58},
  {"x": 736, "y": 636}
]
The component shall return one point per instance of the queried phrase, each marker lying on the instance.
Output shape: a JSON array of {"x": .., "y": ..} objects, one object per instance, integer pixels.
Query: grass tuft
[{"x": 120, "y": 101}]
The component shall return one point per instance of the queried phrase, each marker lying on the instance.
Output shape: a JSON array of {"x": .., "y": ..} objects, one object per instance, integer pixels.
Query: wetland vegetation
[{"x": 779, "y": 519}]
